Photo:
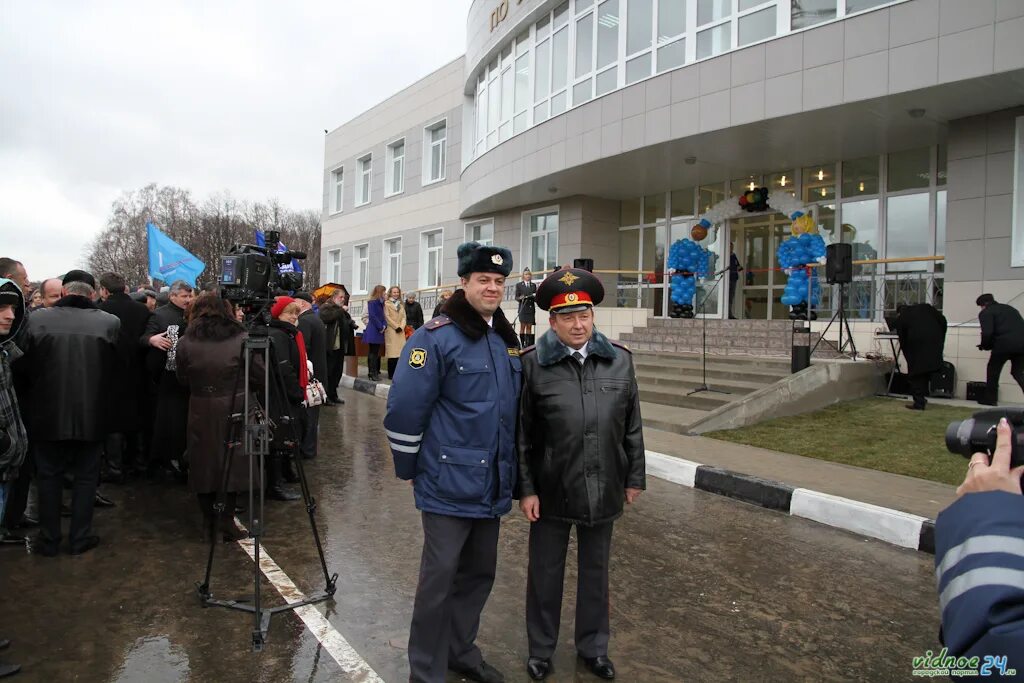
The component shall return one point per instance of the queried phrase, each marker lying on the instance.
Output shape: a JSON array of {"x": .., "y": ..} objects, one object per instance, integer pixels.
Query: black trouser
[
  {"x": 392, "y": 365},
  {"x": 996, "y": 361},
  {"x": 120, "y": 453},
  {"x": 373, "y": 361},
  {"x": 17, "y": 497},
  {"x": 919, "y": 387},
  {"x": 309, "y": 437},
  {"x": 548, "y": 542},
  {"x": 335, "y": 367},
  {"x": 732, "y": 295},
  {"x": 82, "y": 460},
  {"x": 456, "y": 575}
]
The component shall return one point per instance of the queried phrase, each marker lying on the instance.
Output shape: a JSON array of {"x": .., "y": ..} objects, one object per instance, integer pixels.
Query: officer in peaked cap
[
  {"x": 451, "y": 422},
  {"x": 578, "y": 411}
]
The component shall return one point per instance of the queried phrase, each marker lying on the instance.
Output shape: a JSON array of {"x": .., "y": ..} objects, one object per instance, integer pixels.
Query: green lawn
[{"x": 878, "y": 433}]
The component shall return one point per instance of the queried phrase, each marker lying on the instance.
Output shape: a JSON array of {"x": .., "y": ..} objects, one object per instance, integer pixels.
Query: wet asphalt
[{"x": 703, "y": 588}]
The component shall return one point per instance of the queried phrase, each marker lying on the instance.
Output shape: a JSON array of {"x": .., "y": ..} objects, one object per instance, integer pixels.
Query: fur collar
[
  {"x": 472, "y": 324},
  {"x": 550, "y": 350},
  {"x": 75, "y": 301}
]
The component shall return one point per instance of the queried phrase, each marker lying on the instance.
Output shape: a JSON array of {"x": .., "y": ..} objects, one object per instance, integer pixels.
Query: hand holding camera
[{"x": 1000, "y": 471}]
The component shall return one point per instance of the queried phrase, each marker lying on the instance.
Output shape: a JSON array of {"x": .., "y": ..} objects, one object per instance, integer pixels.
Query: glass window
[
  {"x": 910, "y": 169},
  {"x": 607, "y": 80},
  {"x": 559, "y": 60},
  {"x": 543, "y": 28},
  {"x": 804, "y": 13},
  {"x": 638, "y": 68},
  {"x": 558, "y": 103},
  {"x": 365, "y": 171},
  {"x": 906, "y": 231},
  {"x": 682, "y": 202},
  {"x": 561, "y": 15},
  {"x": 671, "y": 20},
  {"x": 337, "y": 197},
  {"x": 750, "y": 4},
  {"x": 583, "y": 4},
  {"x": 654, "y": 207},
  {"x": 431, "y": 246},
  {"x": 639, "y": 25},
  {"x": 493, "y": 105},
  {"x": 860, "y": 228},
  {"x": 712, "y": 10},
  {"x": 540, "y": 112},
  {"x": 335, "y": 255},
  {"x": 437, "y": 138},
  {"x": 745, "y": 184},
  {"x": 825, "y": 216},
  {"x": 523, "y": 43},
  {"x": 709, "y": 195},
  {"x": 543, "y": 242},
  {"x": 522, "y": 96},
  {"x": 756, "y": 26},
  {"x": 819, "y": 183},
  {"x": 940, "y": 223},
  {"x": 782, "y": 180},
  {"x": 396, "y": 167},
  {"x": 507, "y": 91},
  {"x": 582, "y": 92},
  {"x": 672, "y": 55},
  {"x": 861, "y": 5},
  {"x": 481, "y": 115},
  {"x": 480, "y": 232},
  {"x": 860, "y": 176},
  {"x": 584, "y": 44},
  {"x": 629, "y": 212},
  {"x": 392, "y": 262},
  {"x": 714, "y": 41},
  {"x": 360, "y": 263},
  {"x": 542, "y": 77},
  {"x": 607, "y": 33}
]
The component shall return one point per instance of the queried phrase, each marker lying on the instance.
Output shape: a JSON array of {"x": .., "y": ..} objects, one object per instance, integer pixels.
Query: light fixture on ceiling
[
  {"x": 824, "y": 192},
  {"x": 821, "y": 174},
  {"x": 861, "y": 187},
  {"x": 782, "y": 181},
  {"x": 751, "y": 185},
  {"x": 916, "y": 113}
]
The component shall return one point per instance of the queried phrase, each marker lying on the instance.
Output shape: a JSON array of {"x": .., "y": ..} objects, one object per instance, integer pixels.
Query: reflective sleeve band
[
  {"x": 404, "y": 449},
  {"x": 404, "y": 437},
  {"x": 980, "y": 578},
  {"x": 1008, "y": 545}
]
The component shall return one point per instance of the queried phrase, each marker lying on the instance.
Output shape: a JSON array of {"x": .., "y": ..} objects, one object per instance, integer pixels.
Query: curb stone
[{"x": 892, "y": 526}]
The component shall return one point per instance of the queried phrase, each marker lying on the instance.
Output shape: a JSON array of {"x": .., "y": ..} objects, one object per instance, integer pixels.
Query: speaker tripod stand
[
  {"x": 844, "y": 323},
  {"x": 702, "y": 307}
]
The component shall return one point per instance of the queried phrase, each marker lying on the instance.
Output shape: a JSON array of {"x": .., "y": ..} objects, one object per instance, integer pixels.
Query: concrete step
[
  {"x": 693, "y": 379},
  {"x": 705, "y": 400},
  {"x": 716, "y": 369},
  {"x": 686, "y": 359},
  {"x": 668, "y": 418}
]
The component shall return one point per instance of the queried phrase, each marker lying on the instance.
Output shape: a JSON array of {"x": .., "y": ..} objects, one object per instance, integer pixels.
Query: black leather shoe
[
  {"x": 601, "y": 667},
  {"x": 482, "y": 673},
  {"x": 103, "y": 502},
  {"x": 9, "y": 669},
  {"x": 28, "y": 521},
  {"x": 12, "y": 538},
  {"x": 4, "y": 644},
  {"x": 88, "y": 544},
  {"x": 913, "y": 406},
  {"x": 538, "y": 668},
  {"x": 41, "y": 547}
]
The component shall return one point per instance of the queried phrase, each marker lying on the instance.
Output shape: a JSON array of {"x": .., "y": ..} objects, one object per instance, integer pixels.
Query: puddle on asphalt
[{"x": 154, "y": 660}]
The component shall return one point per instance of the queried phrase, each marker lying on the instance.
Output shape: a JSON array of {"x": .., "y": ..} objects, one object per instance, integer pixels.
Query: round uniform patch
[
  {"x": 497, "y": 260},
  {"x": 417, "y": 358}
]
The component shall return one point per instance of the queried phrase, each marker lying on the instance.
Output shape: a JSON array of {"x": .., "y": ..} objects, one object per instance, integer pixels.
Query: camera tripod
[{"x": 255, "y": 440}]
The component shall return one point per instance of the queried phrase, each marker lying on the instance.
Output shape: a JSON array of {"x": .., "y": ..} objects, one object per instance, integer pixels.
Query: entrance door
[{"x": 759, "y": 288}]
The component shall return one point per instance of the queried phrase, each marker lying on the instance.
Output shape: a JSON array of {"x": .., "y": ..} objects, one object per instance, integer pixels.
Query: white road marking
[{"x": 335, "y": 644}]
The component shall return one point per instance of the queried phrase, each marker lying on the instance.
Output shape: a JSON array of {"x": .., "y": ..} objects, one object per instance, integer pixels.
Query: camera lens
[{"x": 958, "y": 437}]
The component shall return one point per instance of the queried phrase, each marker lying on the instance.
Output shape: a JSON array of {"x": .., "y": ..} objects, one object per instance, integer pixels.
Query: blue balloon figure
[
  {"x": 794, "y": 253},
  {"x": 689, "y": 260}
]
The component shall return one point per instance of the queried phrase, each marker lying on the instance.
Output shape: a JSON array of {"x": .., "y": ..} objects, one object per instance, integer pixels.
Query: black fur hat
[{"x": 478, "y": 258}]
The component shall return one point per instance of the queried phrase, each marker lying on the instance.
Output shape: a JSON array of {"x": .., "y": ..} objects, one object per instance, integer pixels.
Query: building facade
[{"x": 606, "y": 129}]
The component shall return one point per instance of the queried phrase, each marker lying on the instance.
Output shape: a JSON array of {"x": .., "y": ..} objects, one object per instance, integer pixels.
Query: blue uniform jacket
[
  {"x": 451, "y": 415},
  {"x": 979, "y": 559}
]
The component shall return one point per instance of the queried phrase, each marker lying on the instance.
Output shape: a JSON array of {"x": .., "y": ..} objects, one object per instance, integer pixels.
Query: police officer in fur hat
[
  {"x": 451, "y": 421},
  {"x": 581, "y": 456}
]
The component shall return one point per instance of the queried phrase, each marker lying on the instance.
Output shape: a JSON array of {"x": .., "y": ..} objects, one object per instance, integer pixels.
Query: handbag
[{"x": 316, "y": 394}]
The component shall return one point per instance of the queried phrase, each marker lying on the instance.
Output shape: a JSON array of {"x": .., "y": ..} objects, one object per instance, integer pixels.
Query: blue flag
[
  {"x": 169, "y": 261},
  {"x": 296, "y": 267}
]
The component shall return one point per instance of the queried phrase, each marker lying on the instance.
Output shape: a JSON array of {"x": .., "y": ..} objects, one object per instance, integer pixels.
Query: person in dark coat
[
  {"x": 373, "y": 335},
  {"x": 72, "y": 350},
  {"x": 526, "y": 291},
  {"x": 163, "y": 329},
  {"x": 121, "y": 450},
  {"x": 413, "y": 311},
  {"x": 441, "y": 301},
  {"x": 210, "y": 361},
  {"x": 734, "y": 276},
  {"x": 337, "y": 330},
  {"x": 288, "y": 394},
  {"x": 314, "y": 334},
  {"x": 1002, "y": 333},
  {"x": 581, "y": 456},
  {"x": 922, "y": 332}
]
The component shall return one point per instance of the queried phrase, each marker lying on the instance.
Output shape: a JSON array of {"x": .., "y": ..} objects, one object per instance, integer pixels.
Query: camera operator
[
  {"x": 289, "y": 356},
  {"x": 979, "y": 558}
]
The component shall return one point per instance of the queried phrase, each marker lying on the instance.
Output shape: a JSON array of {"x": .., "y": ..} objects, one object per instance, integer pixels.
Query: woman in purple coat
[{"x": 373, "y": 335}]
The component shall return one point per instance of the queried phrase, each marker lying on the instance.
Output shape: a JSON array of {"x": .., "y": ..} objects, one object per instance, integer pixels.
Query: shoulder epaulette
[
  {"x": 439, "y": 321},
  {"x": 528, "y": 349},
  {"x": 621, "y": 346}
]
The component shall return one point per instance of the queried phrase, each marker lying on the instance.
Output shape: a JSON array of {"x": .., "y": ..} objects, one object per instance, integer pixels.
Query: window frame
[
  {"x": 334, "y": 261},
  {"x": 389, "y": 169},
  {"x": 1016, "y": 198},
  {"x": 389, "y": 278},
  {"x": 428, "y": 148},
  {"x": 360, "y": 268},
  {"x": 526, "y": 237},
  {"x": 425, "y": 258},
  {"x": 468, "y": 225},
  {"x": 364, "y": 176},
  {"x": 336, "y": 200}
]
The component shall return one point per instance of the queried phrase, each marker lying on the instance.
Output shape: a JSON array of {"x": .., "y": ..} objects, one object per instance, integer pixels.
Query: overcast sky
[{"x": 98, "y": 98}]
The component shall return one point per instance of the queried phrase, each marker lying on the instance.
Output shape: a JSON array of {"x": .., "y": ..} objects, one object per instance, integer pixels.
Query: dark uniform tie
[{"x": 578, "y": 356}]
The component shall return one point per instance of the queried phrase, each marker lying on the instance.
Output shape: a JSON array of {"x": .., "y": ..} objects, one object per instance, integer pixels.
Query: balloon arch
[{"x": 688, "y": 261}]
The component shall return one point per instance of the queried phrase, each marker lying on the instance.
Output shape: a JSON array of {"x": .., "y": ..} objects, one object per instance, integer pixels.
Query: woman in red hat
[{"x": 288, "y": 350}]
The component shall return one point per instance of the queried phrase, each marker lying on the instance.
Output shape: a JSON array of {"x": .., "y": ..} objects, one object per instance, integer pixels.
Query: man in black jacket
[
  {"x": 1002, "y": 333},
  {"x": 165, "y": 326},
  {"x": 338, "y": 328},
  {"x": 72, "y": 350},
  {"x": 122, "y": 445},
  {"x": 314, "y": 335},
  {"x": 922, "y": 332},
  {"x": 581, "y": 456},
  {"x": 413, "y": 311}
]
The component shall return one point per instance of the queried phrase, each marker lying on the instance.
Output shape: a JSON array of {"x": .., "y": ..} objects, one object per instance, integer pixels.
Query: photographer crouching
[{"x": 979, "y": 548}]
